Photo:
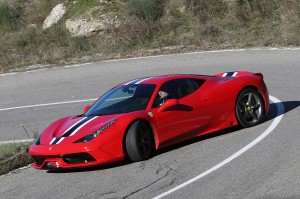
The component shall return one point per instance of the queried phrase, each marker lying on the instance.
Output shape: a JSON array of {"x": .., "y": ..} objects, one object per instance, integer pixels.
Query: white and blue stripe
[
  {"x": 72, "y": 130},
  {"x": 137, "y": 81},
  {"x": 230, "y": 74}
]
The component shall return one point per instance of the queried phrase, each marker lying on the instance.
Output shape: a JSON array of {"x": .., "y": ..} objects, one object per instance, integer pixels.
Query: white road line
[
  {"x": 48, "y": 104},
  {"x": 168, "y": 55},
  {"x": 16, "y": 141},
  {"x": 280, "y": 112},
  {"x": 76, "y": 65}
]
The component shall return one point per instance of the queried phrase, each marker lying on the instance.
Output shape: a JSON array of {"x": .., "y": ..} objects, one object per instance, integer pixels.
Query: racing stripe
[
  {"x": 75, "y": 131},
  {"x": 132, "y": 82},
  {"x": 61, "y": 139},
  {"x": 224, "y": 75},
  {"x": 137, "y": 81},
  {"x": 52, "y": 141},
  {"x": 74, "y": 127},
  {"x": 229, "y": 74},
  {"x": 143, "y": 80},
  {"x": 55, "y": 141}
]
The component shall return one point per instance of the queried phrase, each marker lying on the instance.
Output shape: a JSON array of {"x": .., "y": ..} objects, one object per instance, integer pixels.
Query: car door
[{"x": 185, "y": 119}]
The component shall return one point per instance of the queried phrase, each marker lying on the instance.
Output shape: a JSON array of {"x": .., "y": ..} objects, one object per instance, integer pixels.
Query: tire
[
  {"x": 139, "y": 142},
  {"x": 249, "y": 108}
]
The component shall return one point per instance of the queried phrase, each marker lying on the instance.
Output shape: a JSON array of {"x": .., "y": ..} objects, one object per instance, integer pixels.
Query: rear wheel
[
  {"x": 249, "y": 108},
  {"x": 138, "y": 142}
]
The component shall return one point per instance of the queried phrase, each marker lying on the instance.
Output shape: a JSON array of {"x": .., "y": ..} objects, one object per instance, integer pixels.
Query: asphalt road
[{"x": 270, "y": 169}]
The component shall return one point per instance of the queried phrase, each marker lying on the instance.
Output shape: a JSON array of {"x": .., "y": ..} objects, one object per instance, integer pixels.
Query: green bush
[
  {"x": 7, "y": 20},
  {"x": 80, "y": 7},
  {"x": 150, "y": 10}
]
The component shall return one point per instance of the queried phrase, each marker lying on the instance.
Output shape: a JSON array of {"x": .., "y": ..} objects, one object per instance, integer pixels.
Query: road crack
[
  {"x": 167, "y": 170},
  {"x": 168, "y": 185}
]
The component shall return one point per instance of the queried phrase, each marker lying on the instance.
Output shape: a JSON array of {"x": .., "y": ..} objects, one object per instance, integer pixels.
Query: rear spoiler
[{"x": 237, "y": 74}]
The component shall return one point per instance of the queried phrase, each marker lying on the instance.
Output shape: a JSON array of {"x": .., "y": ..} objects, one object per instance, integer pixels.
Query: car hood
[{"x": 70, "y": 129}]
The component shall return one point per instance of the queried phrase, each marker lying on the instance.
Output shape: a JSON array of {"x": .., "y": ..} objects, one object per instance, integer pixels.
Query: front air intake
[
  {"x": 39, "y": 160},
  {"x": 78, "y": 158}
]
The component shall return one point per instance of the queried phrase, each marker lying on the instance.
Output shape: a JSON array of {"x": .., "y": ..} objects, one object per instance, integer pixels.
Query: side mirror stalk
[{"x": 169, "y": 103}]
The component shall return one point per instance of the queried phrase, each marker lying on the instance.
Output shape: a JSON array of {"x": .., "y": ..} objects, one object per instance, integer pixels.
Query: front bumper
[{"x": 70, "y": 156}]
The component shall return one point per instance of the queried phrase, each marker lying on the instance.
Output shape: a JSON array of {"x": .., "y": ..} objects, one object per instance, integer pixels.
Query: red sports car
[{"x": 139, "y": 116}]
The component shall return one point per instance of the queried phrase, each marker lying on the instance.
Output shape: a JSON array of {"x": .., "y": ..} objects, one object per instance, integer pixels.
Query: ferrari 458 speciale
[{"x": 137, "y": 117}]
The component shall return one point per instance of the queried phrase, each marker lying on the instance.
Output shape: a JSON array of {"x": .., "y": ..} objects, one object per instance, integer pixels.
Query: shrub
[
  {"x": 7, "y": 20},
  {"x": 150, "y": 10}
]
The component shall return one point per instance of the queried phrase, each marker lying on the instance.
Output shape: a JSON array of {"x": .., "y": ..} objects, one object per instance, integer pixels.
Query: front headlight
[{"x": 95, "y": 134}]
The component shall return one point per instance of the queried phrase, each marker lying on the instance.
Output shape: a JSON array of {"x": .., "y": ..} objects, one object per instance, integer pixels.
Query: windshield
[{"x": 123, "y": 99}]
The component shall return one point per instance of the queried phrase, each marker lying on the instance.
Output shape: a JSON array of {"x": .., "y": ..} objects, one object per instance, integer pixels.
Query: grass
[
  {"x": 145, "y": 9},
  {"x": 203, "y": 24},
  {"x": 13, "y": 156},
  {"x": 80, "y": 7},
  {"x": 6, "y": 18},
  {"x": 8, "y": 150}
]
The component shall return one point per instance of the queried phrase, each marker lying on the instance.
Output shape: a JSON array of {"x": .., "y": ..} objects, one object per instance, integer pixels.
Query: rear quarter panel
[{"x": 222, "y": 93}]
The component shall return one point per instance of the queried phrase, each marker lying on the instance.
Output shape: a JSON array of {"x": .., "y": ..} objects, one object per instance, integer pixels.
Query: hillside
[{"x": 105, "y": 29}]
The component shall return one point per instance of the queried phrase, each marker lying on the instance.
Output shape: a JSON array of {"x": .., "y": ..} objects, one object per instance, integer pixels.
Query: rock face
[
  {"x": 56, "y": 14},
  {"x": 87, "y": 27},
  {"x": 83, "y": 27}
]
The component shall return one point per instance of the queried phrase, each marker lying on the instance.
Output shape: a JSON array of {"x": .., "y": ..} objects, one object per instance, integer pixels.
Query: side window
[
  {"x": 176, "y": 89},
  {"x": 188, "y": 86},
  {"x": 169, "y": 90}
]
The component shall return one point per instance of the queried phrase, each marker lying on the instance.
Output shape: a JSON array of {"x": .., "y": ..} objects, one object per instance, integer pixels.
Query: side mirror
[
  {"x": 169, "y": 103},
  {"x": 86, "y": 108}
]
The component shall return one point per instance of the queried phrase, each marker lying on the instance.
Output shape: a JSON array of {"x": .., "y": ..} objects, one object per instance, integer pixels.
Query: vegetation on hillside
[
  {"x": 145, "y": 24},
  {"x": 13, "y": 156}
]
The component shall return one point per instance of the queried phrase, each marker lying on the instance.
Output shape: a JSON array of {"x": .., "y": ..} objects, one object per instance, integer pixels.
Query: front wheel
[
  {"x": 138, "y": 142},
  {"x": 249, "y": 108}
]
